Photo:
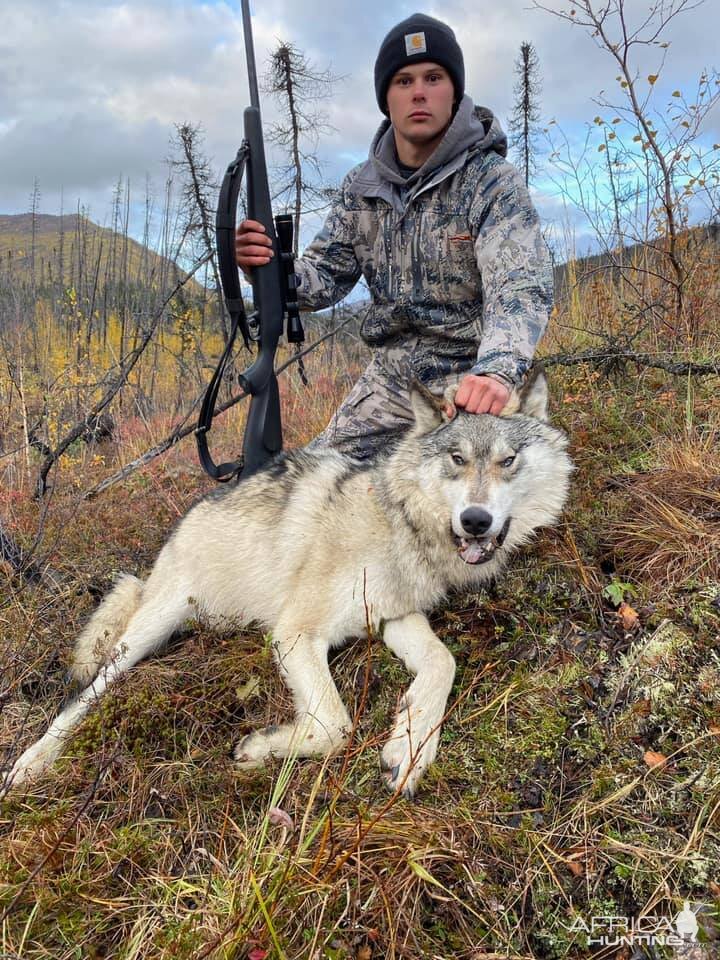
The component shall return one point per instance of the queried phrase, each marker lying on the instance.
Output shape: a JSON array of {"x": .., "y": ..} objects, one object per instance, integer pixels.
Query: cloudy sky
[{"x": 90, "y": 90}]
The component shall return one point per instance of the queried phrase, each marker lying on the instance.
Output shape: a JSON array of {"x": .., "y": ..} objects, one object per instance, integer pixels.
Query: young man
[{"x": 445, "y": 234}]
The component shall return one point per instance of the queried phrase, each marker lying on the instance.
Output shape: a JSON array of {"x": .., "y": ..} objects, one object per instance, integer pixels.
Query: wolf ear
[
  {"x": 531, "y": 399},
  {"x": 534, "y": 394},
  {"x": 429, "y": 410}
]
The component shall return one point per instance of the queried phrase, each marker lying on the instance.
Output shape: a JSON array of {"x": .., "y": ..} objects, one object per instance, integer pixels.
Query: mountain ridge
[{"x": 79, "y": 248}]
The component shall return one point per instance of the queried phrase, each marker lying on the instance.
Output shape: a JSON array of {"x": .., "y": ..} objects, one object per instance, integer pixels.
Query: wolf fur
[{"x": 317, "y": 545}]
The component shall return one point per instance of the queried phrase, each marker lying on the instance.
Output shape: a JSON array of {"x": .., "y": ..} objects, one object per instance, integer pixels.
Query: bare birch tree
[{"x": 676, "y": 171}]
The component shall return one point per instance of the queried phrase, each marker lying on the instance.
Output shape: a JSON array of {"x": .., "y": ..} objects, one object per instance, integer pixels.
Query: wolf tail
[{"x": 105, "y": 628}]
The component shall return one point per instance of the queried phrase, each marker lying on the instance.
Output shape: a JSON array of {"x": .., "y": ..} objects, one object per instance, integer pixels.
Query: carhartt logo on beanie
[
  {"x": 417, "y": 39},
  {"x": 415, "y": 43}
]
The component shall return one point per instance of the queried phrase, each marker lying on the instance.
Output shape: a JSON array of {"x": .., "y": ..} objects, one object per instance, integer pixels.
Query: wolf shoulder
[{"x": 295, "y": 481}]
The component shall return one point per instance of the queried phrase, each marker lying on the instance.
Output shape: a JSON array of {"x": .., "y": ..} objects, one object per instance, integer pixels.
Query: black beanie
[{"x": 416, "y": 40}]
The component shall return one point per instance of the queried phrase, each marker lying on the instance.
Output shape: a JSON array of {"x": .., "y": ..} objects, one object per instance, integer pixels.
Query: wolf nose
[{"x": 476, "y": 520}]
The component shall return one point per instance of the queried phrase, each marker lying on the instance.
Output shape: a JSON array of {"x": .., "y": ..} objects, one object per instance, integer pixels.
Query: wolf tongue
[{"x": 473, "y": 551}]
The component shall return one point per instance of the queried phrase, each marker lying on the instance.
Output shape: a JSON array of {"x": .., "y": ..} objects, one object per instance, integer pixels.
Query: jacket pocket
[{"x": 458, "y": 266}]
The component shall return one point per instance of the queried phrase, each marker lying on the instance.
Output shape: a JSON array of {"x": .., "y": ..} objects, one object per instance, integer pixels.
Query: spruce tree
[{"x": 525, "y": 118}]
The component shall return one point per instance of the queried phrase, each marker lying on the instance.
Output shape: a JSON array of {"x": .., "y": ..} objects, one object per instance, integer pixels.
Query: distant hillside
[
  {"x": 586, "y": 267},
  {"x": 73, "y": 251}
]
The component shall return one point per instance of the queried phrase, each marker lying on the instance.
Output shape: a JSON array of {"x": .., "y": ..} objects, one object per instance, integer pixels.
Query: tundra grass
[{"x": 578, "y": 774}]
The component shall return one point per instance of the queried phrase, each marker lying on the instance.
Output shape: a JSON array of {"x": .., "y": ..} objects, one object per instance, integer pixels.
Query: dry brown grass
[
  {"x": 669, "y": 532},
  {"x": 144, "y": 842}
]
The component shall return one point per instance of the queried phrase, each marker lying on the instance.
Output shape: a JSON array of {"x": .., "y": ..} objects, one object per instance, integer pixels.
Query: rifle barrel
[
  {"x": 263, "y": 430},
  {"x": 250, "y": 55}
]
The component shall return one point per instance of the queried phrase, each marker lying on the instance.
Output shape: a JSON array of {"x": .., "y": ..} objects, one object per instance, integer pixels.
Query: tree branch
[
  {"x": 126, "y": 367},
  {"x": 621, "y": 357}
]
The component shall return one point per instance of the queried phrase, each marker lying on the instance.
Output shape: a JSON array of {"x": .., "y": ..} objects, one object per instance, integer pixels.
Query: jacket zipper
[
  {"x": 389, "y": 259},
  {"x": 415, "y": 257}
]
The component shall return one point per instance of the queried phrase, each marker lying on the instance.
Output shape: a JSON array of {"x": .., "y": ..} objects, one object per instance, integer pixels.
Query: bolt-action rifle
[{"x": 274, "y": 295}]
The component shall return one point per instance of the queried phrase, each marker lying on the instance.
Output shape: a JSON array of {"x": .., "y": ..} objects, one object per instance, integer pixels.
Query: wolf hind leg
[
  {"x": 322, "y": 723},
  {"x": 104, "y": 629},
  {"x": 147, "y": 630},
  {"x": 414, "y": 741}
]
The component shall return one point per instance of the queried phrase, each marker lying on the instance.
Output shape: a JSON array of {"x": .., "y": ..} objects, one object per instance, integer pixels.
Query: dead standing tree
[
  {"x": 525, "y": 118},
  {"x": 665, "y": 153},
  {"x": 197, "y": 202},
  {"x": 112, "y": 384},
  {"x": 297, "y": 85}
]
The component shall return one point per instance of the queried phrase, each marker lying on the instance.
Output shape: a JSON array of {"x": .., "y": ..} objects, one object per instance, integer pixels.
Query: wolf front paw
[
  {"x": 306, "y": 738},
  {"x": 409, "y": 752},
  {"x": 255, "y": 748},
  {"x": 402, "y": 770},
  {"x": 30, "y": 764}
]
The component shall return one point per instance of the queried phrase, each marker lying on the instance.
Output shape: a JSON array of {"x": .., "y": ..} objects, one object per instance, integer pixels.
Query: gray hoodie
[{"x": 472, "y": 127}]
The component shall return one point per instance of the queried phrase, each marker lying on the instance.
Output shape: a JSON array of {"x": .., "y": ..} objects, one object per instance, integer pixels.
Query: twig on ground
[
  {"x": 22, "y": 564},
  {"x": 710, "y": 368}
]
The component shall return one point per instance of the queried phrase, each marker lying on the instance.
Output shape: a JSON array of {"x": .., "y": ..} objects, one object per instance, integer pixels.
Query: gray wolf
[{"x": 317, "y": 545}]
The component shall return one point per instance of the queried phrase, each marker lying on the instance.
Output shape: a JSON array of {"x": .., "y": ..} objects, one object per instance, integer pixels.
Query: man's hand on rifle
[{"x": 253, "y": 247}]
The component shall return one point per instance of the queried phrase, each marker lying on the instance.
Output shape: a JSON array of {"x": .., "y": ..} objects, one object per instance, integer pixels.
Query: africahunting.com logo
[{"x": 649, "y": 930}]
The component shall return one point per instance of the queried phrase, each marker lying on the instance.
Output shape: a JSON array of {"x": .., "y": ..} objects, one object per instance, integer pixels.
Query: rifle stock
[{"x": 263, "y": 433}]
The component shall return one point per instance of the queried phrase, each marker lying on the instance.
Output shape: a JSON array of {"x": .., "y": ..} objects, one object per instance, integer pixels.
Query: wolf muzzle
[{"x": 477, "y": 549}]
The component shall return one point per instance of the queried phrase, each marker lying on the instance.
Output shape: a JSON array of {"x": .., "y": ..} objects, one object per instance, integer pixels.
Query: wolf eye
[
  {"x": 458, "y": 459},
  {"x": 508, "y": 461}
]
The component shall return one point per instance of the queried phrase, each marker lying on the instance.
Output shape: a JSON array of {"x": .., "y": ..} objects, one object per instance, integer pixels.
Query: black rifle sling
[{"x": 225, "y": 239}]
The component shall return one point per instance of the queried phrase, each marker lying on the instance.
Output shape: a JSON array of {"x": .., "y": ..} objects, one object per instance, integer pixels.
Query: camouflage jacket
[{"x": 452, "y": 255}]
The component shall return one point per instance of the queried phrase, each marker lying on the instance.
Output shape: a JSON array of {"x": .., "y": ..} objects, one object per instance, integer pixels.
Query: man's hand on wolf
[{"x": 481, "y": 395}]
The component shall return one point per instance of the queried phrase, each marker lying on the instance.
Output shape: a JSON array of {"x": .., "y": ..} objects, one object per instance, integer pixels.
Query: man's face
[{"x": 420, "y": 102}]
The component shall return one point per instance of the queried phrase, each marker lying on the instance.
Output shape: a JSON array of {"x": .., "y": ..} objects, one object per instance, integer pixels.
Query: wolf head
[{"x": 490, "y": 480}]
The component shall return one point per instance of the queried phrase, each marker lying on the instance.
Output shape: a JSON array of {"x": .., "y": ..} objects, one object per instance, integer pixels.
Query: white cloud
[{"x": 90, "y": 90}]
